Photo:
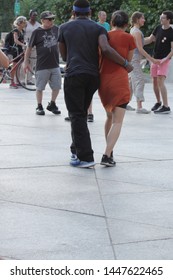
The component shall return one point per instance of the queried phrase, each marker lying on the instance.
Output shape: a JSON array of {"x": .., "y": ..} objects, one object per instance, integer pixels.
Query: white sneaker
[
  {"x": 142, "y": 111},
  {"x": 74, "y": 161},
  {"x": 86, "y": 164}
]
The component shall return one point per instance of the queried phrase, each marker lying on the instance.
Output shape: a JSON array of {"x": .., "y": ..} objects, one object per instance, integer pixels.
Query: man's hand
[
  {"x": 163, "y": 60},
  {"x": 26, "y": 67},
  {"x": 156, "y": 61},
  {"x": 129, "y": 67}
]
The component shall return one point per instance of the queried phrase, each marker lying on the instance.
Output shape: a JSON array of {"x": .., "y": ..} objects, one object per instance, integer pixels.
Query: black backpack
[{"x": 9, "y": 43}]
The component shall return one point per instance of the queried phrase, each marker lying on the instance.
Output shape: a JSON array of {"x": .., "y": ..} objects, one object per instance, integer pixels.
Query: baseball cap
[{"x": 46, "y": 14}]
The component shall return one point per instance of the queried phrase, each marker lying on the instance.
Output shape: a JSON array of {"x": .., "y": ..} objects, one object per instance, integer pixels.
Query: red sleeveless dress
[{"x": 114, "y": 85}]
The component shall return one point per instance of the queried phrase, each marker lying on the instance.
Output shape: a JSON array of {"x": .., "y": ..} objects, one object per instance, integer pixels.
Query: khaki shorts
[{"x": 51, "y": 76}]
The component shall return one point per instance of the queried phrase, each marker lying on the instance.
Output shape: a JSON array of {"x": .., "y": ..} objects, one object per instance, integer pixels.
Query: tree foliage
[
  {"x": 6, "y": 15},
  {"x": 151, "y": 9},
  {"x": 62, "y": 8}
]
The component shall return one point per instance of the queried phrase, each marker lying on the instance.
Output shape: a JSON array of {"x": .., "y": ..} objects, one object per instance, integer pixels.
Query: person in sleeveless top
[
  {"x": 19, "y": 43},
  {"x": 136, "y": 76}
]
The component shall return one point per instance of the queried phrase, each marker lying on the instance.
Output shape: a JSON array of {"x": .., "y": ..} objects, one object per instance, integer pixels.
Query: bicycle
[{"x": 23, "y": 78}]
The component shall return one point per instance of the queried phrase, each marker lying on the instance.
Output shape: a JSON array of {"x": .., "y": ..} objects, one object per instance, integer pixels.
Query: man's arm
[
  {"x": 63, "y": 51},
  {"x": 149, "y": 40},
  {"x": 112, "y": 54},
  {"x": 138, "y": 41},
  {"x": 26, "y": 58}
]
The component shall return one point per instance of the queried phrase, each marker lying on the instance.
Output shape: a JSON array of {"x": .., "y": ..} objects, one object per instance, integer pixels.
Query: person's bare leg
[
  {"x": 139, "y": 104},
  {"x": 156, "y": 89},
  {"x": 54, "y": 95},
  {"x": 39, "y": 96},
  {"x": 163, "y": 90},
  {"x": 108, "y": 124},
  {"x": 13, "y": 73},
  {"x": 115, "y": 129}
]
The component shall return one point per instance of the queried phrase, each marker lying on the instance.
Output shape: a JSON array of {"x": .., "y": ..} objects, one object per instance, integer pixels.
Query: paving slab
[
  {"x": 44, "y": 233},
  {"x": 50, "y": 210}
]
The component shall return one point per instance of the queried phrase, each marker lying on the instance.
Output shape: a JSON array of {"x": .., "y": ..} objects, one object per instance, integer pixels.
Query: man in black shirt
[
  {"x": 79, "y": 43},
  {"x": 163, "y": 50}
]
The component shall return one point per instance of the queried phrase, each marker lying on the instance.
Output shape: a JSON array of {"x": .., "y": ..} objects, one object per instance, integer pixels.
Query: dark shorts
[{"x": 123, "y": 105}]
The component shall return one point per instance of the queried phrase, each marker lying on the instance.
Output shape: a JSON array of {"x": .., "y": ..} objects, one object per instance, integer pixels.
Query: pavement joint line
[
  {"x": 144, "y": 241},
  {"x": 52, "y": 208},
  {"x": 125, "y": 182},
  {"x": 11, "y": 145},
  {"x": 105, "y": 218},
  {"x": 141, "y": 223},
  {"x": 31, "y": 167},
  {"x": 63, "y": 165},
  {"x": 142, "y": 192},
  {"x": 14, "y": 125}
]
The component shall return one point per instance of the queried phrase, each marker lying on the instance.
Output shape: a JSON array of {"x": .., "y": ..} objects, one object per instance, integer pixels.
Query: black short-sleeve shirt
[
  {"x": 81, "y": 39},
  {"x": 164, "y": 37},
  {"x": 46, "y": 42}
]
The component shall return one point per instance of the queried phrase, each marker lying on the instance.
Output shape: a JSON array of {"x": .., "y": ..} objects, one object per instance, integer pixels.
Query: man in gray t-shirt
[{"x": 45, "y": 39}]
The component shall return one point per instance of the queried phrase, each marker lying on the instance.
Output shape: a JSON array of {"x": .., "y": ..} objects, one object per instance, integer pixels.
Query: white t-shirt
[{"x": 29, "y": 29}]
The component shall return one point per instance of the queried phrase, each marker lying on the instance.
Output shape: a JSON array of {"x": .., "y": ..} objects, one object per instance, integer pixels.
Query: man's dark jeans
[{"x": 79, "y": 90}]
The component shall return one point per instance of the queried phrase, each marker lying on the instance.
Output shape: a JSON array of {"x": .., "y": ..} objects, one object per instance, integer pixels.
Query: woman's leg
[
  {"x": 115, "y": 128},
  {"x": 108, "y": 124}
]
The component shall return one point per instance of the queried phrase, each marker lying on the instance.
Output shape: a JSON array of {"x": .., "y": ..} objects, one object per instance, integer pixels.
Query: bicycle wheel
[
  {"x": 5, "y": 75},
  {"x": 26, "y": 80},
  {"x": 1, "y": 74}
]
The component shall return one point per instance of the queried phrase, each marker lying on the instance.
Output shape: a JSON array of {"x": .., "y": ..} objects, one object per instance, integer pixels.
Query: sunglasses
[{"x": 50, "y": 19}]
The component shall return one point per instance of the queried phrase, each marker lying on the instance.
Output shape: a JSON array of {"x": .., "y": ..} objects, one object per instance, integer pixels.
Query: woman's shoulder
[{"x": 134, "y": 30}]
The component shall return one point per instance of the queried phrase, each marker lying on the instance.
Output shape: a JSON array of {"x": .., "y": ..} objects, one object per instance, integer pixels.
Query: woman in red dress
[{"x": 114, "y": 88}]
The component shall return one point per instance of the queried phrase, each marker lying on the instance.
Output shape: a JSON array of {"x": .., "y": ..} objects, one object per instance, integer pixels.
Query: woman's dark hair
[
  {"x": 169, "y": 15},
  {"x": 119, "y": 18},
  {"x": 32, "y": 12}
]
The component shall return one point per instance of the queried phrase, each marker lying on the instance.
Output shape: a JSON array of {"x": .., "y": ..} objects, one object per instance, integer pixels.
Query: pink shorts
[{"x": 160, "y": 70}]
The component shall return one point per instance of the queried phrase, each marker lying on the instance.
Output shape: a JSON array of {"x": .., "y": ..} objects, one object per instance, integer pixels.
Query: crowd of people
[{"x": 98, "y": 56}]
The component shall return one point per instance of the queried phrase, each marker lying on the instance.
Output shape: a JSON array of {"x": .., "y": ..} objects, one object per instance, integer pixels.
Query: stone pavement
[{"x": 50, "y": 210}]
